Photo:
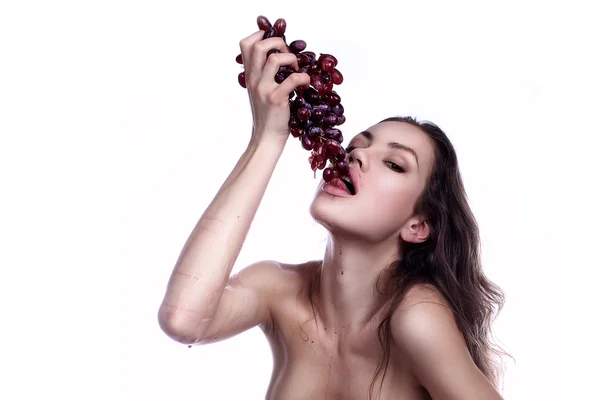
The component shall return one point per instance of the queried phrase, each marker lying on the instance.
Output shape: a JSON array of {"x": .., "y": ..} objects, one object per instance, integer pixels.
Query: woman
[{"x": 399, "y": 298}]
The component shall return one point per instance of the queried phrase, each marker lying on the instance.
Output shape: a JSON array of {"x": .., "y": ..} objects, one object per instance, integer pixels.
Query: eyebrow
[{"x": 392, "y": 145}]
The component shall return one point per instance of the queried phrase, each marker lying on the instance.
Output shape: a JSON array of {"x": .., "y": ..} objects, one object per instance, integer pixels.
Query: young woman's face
[{"x": 390, "y": 181}]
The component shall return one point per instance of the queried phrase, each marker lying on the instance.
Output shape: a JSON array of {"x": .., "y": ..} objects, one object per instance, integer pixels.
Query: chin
[
  {"x": 368, "y": 226},
  {"x": 323, "y": 212},
  {"x": 333, "y": 217}
]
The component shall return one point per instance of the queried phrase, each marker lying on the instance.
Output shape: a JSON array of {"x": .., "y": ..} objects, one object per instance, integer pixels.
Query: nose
[{"x": 356, "y": 156}]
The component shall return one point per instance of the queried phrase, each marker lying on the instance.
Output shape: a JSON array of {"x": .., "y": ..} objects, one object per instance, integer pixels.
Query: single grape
[
  {"x": 312, "y": 56},
  {"x": 332, "y": 98},
  {"x": 335, "y": 134},
  {"x": 342, "y": 167},
  {"x": 315, "y": 81},
  {"x": 242, "y": 79},
  {"x": 328, "y": 175},
  {"x": 336, "y": 77},
  {"x": 263, "y": 23},
  {"x": 323, "y": 56},
  {"x": 332, "y": 133},
  {"x": 269, "y": 33},
  {"x": 330, "y": 119},
  {"x": 307, "y": 142},
  {"x": 341, "y": 120},
  {"x": 306, "y": 125},
  {"x": 303, "y": 61},
  {"x": 340, "y": 154},
  {"x": 325, "y": 77},
  {"x": 297, "y": 46},
  {"x": 280, "y": 26},
  {"x": 311, "y": 96},
  {"x": 319, "y": 148},
  {"x": 279, "y": 77},
  {"x": 326, "y": 88},
  {"x": 318, "y": 114},
  {"x": 338, "y": 109},
  {"x": 315, "y": 131},
  {"x": 298, "y": 103},
  {"x": 238, "y": 59},
  {"x": 294, "y": 123},
  {"x": 296, "y": 132},
  {"x": 327, "y": 65},
  {"x": 332, "y": 146},
  {"x": 303, "y": 114}
]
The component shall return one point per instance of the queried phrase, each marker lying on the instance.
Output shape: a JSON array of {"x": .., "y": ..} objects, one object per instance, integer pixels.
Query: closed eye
[{"x": 395, "y": 167}]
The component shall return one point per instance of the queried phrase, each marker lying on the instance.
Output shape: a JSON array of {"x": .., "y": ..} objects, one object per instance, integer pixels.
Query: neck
[{"x": 349, "y": 300}]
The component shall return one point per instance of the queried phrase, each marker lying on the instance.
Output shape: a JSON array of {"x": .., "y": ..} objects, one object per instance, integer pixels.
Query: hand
[{"x": 268, "y": 99}]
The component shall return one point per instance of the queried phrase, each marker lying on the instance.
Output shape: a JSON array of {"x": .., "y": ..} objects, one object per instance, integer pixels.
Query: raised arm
[{"x": 194, "y": 305}]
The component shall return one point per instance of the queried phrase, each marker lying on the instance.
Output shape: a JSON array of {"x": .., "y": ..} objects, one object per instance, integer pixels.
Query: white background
[{"x": 119, "y": 121}]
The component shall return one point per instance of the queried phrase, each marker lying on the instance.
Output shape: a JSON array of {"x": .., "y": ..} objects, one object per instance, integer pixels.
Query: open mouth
[
  {"x": 344, "y": 183},
  {"x": 349, "y": 185}
]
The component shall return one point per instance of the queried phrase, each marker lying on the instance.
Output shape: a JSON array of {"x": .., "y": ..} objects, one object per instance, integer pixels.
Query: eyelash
[{"x": 399, "y": 169}]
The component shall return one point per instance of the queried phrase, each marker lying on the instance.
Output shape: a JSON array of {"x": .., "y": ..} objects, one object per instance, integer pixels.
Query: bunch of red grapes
[{"x": 314, "y": 110}]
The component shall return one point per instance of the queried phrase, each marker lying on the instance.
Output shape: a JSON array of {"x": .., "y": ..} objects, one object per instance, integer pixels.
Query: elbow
[{"x": 177, "y": 330}]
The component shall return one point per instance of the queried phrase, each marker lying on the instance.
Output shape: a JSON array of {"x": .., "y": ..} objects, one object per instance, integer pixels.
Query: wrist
[{"x": 267, "y": 141}]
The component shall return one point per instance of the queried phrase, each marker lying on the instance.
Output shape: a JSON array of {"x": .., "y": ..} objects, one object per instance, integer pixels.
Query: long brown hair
[{"x": 449, "y": 260}]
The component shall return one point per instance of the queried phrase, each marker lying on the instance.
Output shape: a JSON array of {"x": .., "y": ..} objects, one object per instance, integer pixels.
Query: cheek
[
  {"x": 396, "y": 192},
  {"x": 393, "y": 200}
]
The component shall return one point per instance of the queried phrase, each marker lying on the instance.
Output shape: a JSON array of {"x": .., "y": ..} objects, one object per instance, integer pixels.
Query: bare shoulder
[
  {"x": 423, "y": 311},
  {"x": 430, "y": 343},
  {"x": 265, "y": 276},
  {"x": 272, "y": 278},
  {"x": 298, "y": 277},
  {"x": 420, "y": 294},
  {"x": 423, "y": 318}
]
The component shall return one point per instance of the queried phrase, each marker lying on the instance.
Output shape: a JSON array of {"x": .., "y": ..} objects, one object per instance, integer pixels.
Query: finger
[
  {"x": 259, "y": 53},
  {"x": 246, "y": 45},
  {"x": 274, "y": 62},
  {"x": 292, "y": 82},
  {"x": 294, "y": 62}
]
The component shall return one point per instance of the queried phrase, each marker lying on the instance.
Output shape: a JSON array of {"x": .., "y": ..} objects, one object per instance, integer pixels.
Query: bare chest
[{"x": 310, "y": 362}]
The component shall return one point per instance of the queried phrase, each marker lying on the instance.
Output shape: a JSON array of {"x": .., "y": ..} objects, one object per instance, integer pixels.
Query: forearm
[{"x": 207, "y": 258}]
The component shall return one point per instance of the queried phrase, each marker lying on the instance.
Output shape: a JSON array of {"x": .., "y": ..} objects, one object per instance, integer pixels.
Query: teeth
[{"x": 349, "y": 185}]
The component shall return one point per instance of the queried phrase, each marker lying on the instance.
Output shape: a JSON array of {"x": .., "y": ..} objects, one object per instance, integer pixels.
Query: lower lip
[{"x": 335, "y": 191}]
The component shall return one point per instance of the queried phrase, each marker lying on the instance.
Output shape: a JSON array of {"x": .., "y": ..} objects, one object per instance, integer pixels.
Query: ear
[{"x": 416, "y": 230}]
